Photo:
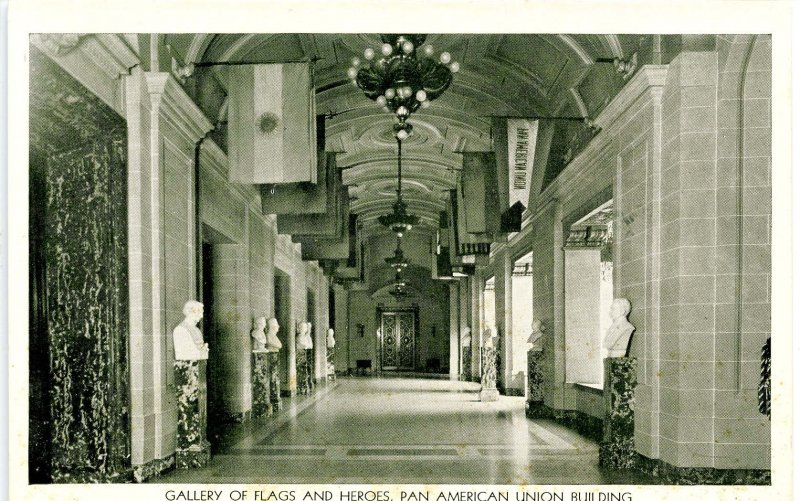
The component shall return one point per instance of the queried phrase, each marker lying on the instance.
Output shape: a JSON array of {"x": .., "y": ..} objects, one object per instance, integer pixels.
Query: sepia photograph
[{"x": 478, "y": 258}]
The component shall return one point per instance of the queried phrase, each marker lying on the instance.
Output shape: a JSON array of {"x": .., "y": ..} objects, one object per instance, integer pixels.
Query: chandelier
[
  {"x": 399, "y": 221},
  {"x": 399, "y": 291},
  {"x": 398, "y": 261},
  {"x": 400, "y": 82}
]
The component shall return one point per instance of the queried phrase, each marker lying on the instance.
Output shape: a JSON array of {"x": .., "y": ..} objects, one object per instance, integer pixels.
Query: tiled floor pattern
[{"x": 402, "y": 431}]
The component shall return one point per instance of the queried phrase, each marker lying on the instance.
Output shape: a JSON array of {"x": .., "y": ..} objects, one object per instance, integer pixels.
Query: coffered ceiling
[{"x": 501, "y": 75}]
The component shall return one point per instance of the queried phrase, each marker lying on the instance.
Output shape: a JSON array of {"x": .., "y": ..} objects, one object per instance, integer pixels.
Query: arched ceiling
[{"x": 501, "y": 75}]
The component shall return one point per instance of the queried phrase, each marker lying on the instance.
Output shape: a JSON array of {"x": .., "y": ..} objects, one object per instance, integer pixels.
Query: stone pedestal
[
  {"x": 274, "y": 381},
  {"x": 310, "y": 365},
  {"x": 192, "y": 450},
  {"x": 301, "y": 363},
  {"x": 260, "y": 384},
  {"x": 330, "y": 367},
  {"x": 616, "y": 447},
  {"x": 466, "y": 362},
  {"x": 534, "y": 407},
  {"x": 489, "y": 391}
]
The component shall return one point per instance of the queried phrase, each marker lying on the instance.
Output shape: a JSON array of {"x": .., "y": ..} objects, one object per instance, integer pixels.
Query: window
[{"x": 588, "y": 293}]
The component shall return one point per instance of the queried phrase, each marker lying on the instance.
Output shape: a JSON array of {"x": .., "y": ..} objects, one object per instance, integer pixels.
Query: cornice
[
  {"x": 176, "y": 106},
  {"x": 649, "y": 76}
]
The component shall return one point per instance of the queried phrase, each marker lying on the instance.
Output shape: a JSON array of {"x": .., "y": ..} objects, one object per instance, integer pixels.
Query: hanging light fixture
[
  {"x": 399, "y": 221},
  {"x": 399, "y": 291},
  {"x": 400, "y": 82},
  {"x": 398, "y": 261}
]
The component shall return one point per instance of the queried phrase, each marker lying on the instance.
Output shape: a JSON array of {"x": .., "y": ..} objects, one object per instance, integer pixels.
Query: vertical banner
[
  {"x": 521, "y": 148},
  {"x": 479, "y": 198},
  {"x": 271, "y": 124}
]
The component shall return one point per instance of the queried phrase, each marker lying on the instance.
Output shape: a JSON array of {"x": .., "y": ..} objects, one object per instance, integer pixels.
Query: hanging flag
[
  {"x": 479, "y": 200},
  {"x": 271, "y": 124},
  {"x": 521, "y": 148},
  {"x": 304, "y": 198}
]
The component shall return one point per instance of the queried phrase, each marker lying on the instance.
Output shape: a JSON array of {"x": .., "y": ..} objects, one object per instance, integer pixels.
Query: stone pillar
[
  {"x": 476, "y": 301},
  {"x": 261, "y": 385},
  {"x": 192, "y": 450},
  {"x": 489, "y": 391},
  {"x": 534, "y": 407},
  {"x": 616, "y": 447},
  {"x": 455, "y": 336},
  {"x": 164, "y": 125},
  {"x": 274, "y": 381}
]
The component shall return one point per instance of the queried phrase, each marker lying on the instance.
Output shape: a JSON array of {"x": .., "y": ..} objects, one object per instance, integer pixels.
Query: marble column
[
  {"x": 489, "y": 391},
  {"x": 192, "y": 450},
  {"x": 274, "y": 381},
  {"x": 617, "y": 447},
  {"x": 260, "y": 385},
  {"x": 534, "y": 407}
]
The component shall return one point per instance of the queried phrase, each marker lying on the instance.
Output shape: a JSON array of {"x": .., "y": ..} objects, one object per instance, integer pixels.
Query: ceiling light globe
[
  {"x": 407, "y": 91},
  {"x": 421, "y": 95},
  {"x": 386, "y": 109},
  {"x": 352, "y": 73},
  {"x": 381, "y": 100},
  {"x": 444, "y": 57},
  {"x": 408, "y": 47},
  {"x": 369, "y": 53},
  {"x": 402, "y": 112},
  {"x": 428, "y": 50},
  {"x": 356, "y": 62},
  {"x": 454, "y": 67},
  {"x": 402, "y": 135},
  {"x": 390, "y": 93},
  {"x": 386, "y": 49},
  {"x": 426, "y": 104}
]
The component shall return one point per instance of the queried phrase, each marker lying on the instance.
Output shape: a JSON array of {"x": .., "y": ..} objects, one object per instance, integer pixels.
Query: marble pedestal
[
  {"x": 534, "y": 406},
  {"x": 260, "y": 385},
  {"x": 466, "y": 363},
  {"x": 192, "y": 450},
  {"x": 489, "y": 392},
  {"x": 303, "y": 374},
  {"x": 274, "y": 381},
  {"x": 616, "y": 447},
  {"x": 330, "y": 369}
]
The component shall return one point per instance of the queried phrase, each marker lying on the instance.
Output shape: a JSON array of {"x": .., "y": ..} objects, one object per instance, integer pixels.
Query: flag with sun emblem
[{"x": 271, "y": 124}]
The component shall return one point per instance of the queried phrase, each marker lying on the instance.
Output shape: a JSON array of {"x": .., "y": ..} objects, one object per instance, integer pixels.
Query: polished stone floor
[{"x": 400, "y": 430}]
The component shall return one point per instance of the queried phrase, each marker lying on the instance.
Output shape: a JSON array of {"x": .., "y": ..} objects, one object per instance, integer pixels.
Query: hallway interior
[{"x": 402, "y": 430}]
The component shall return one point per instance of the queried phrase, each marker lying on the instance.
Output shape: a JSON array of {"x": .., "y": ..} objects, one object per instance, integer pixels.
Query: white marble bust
[
  {"x": 273, "y": 343},
  {"x": 187, "y": 338},
  {"x": 259, "y": 338},
  {"x": 303, "y": 340},
  {"x": 466, "y": 336},
  {"x": 489, "y": 334},
  {"x": 330, "y": 341},
  {"x": 535, "y": 339},
  {"x": 620, "y": 331}
]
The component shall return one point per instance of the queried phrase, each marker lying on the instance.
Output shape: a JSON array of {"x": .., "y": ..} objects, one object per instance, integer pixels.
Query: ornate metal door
[{"x": 397, "y": 340}]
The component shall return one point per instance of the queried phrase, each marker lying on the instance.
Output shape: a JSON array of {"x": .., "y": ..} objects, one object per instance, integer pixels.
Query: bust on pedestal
[
  {"x": 535, "y": 404},
  {"x": 303, "y": 342},
  {"x": 617, "y": 447},
  {"x": 273, "y": 345},
  {"x": 489, "y": 391},
  {"x": 260, "y": 365},
  {"x": 191, "y": 449},
  {"x": 330, "y": 343}
]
